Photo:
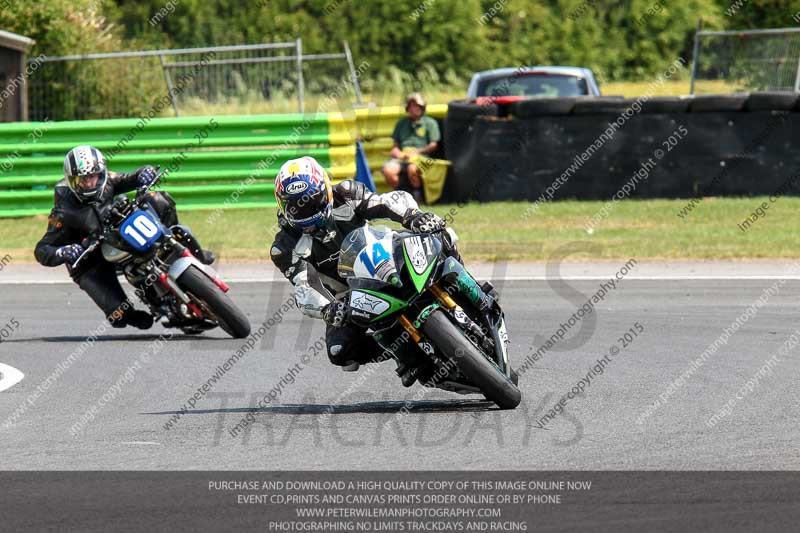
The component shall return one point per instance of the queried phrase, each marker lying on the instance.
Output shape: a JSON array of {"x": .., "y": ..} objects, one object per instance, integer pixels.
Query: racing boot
[
  {"x": 132, "y": 317},
  {"x": 185, "y": 237},
  {"x": 139, "y": 319},
  {"x": 408, "y": 374}
]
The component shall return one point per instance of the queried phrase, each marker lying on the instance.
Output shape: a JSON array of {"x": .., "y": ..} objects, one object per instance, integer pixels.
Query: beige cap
[{"x": 416, "y": 98}]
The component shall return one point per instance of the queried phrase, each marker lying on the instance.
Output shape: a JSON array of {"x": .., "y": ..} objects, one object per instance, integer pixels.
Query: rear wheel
[
  {"x": 214, "y": 302},
  {"x": 471, "y": 362}
]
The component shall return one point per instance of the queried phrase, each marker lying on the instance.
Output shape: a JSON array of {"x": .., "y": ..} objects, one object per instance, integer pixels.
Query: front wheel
[
  {"x": 214, "y": 302},
  {"x": 471, "y": 362}
]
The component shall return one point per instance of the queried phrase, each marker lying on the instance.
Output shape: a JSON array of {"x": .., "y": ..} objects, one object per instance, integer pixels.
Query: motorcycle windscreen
[
  {"x": 367, "y": 253},
  {"x": 140, "y": 230},
  {"x": 421, "y": 252}
]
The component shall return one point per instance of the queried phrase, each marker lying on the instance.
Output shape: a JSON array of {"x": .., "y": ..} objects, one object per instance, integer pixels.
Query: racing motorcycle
[
  {"x": 166, "y": 275},
  {"x": 418, "y": 301}
]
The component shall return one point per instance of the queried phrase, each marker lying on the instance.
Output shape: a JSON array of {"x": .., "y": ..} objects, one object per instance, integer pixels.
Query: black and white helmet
[{"x": 81, "y": 164}]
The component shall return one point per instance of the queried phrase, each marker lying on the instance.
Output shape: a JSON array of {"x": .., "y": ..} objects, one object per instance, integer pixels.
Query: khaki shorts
[{"x": 399, "y": 162}]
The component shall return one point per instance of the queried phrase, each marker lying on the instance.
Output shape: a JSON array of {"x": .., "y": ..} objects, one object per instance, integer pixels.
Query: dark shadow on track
[{"x": 428, "y": 406}]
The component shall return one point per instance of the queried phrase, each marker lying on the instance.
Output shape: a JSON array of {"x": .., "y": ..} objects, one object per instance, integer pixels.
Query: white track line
[{"x": 9, "y": 376}]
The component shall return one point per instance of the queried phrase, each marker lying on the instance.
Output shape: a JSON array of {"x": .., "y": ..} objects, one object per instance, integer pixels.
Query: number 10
[{"x": 141, "y": 229}]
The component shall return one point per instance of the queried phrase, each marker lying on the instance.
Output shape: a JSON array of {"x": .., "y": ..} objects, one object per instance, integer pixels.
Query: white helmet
[{"x": 83, "y": 162}]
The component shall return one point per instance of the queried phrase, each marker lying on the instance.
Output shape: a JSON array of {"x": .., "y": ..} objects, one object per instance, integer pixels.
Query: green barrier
[
  {"x": 233, "y": 166},
  {"x": 27, "y": 203},
  {"x": 159, "y": 133},
  {"x": 197, "y": 166}
]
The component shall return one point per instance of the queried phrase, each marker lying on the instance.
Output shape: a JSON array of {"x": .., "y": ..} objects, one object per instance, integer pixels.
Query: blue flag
[{"x": 363, "y": 174}]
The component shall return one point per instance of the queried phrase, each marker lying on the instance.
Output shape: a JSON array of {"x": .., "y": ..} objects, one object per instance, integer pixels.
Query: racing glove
[
  {"x": 336, "y": 314},
  {"x": 146, "y": 175},
  {"x": 421, "y": 222},
  {"x": 69, "y": 253}
]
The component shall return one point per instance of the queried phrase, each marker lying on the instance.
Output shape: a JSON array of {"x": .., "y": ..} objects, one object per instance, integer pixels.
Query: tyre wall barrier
[{"x": 588, "y": 148}]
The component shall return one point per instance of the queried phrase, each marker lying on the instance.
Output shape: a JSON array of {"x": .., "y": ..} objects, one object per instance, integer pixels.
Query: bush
[{"x": 80, "y": 89}]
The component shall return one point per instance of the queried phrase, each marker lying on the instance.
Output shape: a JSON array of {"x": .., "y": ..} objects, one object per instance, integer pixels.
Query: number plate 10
[{"x": 140, "y": 231}]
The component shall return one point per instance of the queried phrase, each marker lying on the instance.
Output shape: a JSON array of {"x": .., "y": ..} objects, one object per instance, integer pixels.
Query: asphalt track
[{"x": 607, "y": 427}]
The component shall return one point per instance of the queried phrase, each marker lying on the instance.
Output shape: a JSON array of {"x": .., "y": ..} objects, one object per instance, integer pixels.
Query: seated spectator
[{"x": 413, "y": 135}]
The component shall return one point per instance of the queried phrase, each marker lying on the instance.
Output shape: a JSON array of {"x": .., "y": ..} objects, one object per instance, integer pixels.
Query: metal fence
[
  {"x": 751, "y": 60},
  {"x": 271, "y": 77}
]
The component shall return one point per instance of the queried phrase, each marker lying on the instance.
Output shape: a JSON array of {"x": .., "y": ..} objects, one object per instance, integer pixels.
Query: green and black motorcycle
[{"x": 425, "y": 309}]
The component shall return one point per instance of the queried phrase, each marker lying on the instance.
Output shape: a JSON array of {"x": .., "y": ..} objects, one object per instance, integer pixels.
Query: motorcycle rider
[
  {"x": 82, "y": 199},
  {"x": 314, "y": 218}
]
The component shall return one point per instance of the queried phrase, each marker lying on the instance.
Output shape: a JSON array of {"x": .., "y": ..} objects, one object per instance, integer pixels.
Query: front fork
[{"x": 492, "y": 341}]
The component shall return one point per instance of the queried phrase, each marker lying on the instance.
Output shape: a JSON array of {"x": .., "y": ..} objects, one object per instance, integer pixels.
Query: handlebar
[
  {"x": 91, "y": 248},
  {"x": 140, "y": 195}
]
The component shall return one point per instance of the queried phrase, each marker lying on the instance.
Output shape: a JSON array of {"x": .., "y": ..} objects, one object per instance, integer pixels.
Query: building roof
[{"x": 14, "y": 41}]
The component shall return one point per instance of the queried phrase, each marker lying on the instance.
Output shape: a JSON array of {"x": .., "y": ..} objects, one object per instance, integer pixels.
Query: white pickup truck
[{"x": 516, "y": 83}]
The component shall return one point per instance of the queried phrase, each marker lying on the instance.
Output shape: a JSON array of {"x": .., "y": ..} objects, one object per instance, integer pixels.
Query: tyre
[
  {"x": 771, "y": 101},
  {"x": 710, "y": 103},
  {"x": 666, "y": 104},
  {"x": 534, "y": 107},
  {"x": 601, "y": 105},
  {"x": 216, "y": 303},
  {"x": 471, "y": 362},
  {"x": 466, "y": 110}
]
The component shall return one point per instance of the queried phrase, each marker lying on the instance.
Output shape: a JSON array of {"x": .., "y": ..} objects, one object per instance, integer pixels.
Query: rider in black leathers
[
  {"x": 82, "y": 200},
  {"x": 313, "y": 225}
]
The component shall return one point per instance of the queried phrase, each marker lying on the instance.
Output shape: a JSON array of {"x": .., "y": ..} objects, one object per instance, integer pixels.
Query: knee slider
[{"x": 337, "y": 354}]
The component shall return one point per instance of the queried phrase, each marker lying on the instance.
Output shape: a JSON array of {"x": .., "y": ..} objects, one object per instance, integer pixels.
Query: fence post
[
  {"x": 168, "y": 79},
  {"x": 694, "y": 54},
  {"x": 797, "y": 77},
  {"x": 300, "y": 88},
  {"x": 353, "y": 77}
]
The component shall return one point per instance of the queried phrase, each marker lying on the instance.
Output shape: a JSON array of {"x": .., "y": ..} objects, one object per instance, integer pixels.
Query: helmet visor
[
  {"x": 305, "y": 209},
  {"x": 89, "y": 182},
  {"x": 87, "y": 185}
]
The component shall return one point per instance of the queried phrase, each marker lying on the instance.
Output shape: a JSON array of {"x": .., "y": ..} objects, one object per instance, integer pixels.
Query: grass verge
[{"x": 642, "y": 229}]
